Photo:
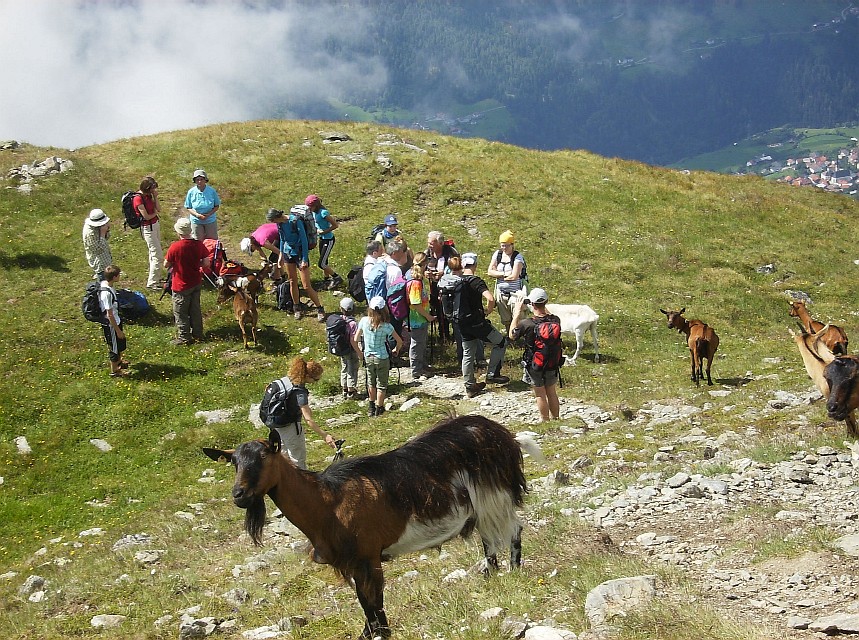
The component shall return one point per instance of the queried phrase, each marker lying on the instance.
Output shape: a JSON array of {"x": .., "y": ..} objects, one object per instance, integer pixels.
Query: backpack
[
  {"x": 547, "y": 353},
  {"x": 132, "y": 305},
  {"x": 497, "y": 257},
  {"x": 355, "y": 286},
  {"x": 90, "y": 305},
  {"x": 133, "y": 219},
  {"x": 456, "y": 298},
  {"x": 303, "y": 213},
  {"x": 377, "y": 281},
  {"x": 337, "y": 332},
  {"x": 398, "y": 299},
  {"x": 284, "y": 296},
  {"x": 279, "y": 406},
  {"x": 374, "y": 233}
]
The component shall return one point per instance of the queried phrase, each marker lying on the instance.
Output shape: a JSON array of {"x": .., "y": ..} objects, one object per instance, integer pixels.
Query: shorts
[{"x": 537, "y": 378}]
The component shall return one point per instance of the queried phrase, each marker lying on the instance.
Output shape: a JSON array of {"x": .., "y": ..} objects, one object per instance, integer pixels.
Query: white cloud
[{"x": 84, "y": 73}]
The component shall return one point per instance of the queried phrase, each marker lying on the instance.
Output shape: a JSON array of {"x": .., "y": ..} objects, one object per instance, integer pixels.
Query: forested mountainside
[{"x": 654, "y": 81}]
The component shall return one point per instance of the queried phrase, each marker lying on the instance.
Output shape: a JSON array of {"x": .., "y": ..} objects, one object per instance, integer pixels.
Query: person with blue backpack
[
  {"x": 294, "y": 258},
  {"x": 385, "y": 279},
  {"x": 325, "y": 226}
]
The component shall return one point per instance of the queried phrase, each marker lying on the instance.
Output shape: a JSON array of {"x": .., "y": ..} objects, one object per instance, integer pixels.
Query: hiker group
[{"x": 409, "y": 295}]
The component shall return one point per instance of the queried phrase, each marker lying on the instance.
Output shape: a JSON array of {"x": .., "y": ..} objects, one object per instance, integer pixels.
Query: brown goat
[
  {"x": 245, "y": 311},
  {"x": 252, "y": 283},
  {"x": 702, "y": 341},
  {"x": 835, "y": 377},
  {"x": 464, "y": 474},
  {"x": 835, "y": 339}
]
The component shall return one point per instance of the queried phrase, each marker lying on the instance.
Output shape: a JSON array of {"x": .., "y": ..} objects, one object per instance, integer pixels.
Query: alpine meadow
[{"x": 625, "y": 238}]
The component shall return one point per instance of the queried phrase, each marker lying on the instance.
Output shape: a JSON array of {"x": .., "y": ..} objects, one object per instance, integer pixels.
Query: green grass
[{"x": 623, "y": 237}]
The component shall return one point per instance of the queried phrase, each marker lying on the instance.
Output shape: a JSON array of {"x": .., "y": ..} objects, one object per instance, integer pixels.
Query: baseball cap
[
  {"x": 537, "y": 295},
  {"x": 347, "y": 304},
  {"x": 245, "y": 245},
  {"x": 390, "y": 219},
  {"x": 469, "y": 259},
  {"x": 311, "y": 199},
  {"x": 377, "y": 303}
]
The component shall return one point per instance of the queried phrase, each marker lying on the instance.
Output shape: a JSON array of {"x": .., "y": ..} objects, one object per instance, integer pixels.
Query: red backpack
[{"x": 547, "y": 354}]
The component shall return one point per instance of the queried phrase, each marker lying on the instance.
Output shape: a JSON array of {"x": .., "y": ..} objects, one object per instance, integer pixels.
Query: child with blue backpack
[{"x": 373, "y": 332}]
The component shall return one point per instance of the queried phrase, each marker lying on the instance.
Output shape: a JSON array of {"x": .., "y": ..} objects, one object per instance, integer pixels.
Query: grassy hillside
[{"x": 623, "y": 237}]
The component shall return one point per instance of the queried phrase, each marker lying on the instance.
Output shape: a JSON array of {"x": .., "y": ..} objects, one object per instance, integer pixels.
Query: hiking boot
[
  {"x": 498, "y": 379},
  {"x": 320, "y": 314},
  {"x": 325, "y": 284},
  {"x": 297, "y": 314},
  {"x": 336, "y": 281},
  {"x": 380, "y": 410},
  {"x": 474, "y": 389},
  {"x": 371, "y": 410}
]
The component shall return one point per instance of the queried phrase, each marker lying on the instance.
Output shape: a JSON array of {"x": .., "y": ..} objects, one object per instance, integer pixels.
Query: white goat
[{"x": 576, "y": 319}]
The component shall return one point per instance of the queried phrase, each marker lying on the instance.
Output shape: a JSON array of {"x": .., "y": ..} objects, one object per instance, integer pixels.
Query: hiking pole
[{"x": 432, "y": 340}]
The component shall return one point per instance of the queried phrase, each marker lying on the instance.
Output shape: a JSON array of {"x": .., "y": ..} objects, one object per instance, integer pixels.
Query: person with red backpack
[{"x": 543, "y": 354}]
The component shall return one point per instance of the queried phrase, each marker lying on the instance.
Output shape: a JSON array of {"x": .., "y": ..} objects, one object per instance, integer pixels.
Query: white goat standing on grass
[{"x": 576, "y": 319}]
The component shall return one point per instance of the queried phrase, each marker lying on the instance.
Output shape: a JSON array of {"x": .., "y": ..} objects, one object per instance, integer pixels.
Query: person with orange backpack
[{"x": 543, "y": 356}]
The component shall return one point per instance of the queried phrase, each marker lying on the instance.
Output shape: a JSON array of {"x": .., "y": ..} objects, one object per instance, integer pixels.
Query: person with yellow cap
[{"x": 508, "y": 268}]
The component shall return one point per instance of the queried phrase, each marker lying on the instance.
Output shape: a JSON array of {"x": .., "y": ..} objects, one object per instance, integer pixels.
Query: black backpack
[
  {"x": 284, "y": 297},
  {"x": 523, "y": 275},
  {"x": 456, "y": 298},
  {"x": 90, "y": 305},
  {"x": 133, "y": 219},
  {"x": 279, "y": 405},
  {"x": 547, "y": 352},
  {"x": 376, "y": 231},
  {"x": 356, "y": 284},
  {"x": 337, "y": 332}
]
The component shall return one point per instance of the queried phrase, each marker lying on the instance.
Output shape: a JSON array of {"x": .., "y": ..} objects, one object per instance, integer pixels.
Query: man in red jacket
[{"x": 184, "y": 258}]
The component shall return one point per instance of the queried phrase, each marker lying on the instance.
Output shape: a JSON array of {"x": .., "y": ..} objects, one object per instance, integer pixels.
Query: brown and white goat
[
  {"x": 245, "y": 312},
  {"x": 836, "y": 377},
  {"x": 834, "y": 338},
  {"x": 702, "y": 341},
  {"x": 463, "y": 474},
  {"x": 252, "y": 283}
]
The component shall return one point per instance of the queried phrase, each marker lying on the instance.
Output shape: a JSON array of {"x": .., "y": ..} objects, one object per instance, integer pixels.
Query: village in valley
[{"x": 836, "y": 171}]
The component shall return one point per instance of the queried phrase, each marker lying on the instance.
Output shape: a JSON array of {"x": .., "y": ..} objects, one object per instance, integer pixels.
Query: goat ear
[
  {"x": 274, "y": 440},
  {"x": 664, "y": 311},
  {"x": 218, "y": 454}
]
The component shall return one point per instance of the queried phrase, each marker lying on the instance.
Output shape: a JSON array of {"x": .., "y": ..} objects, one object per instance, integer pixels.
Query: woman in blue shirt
[
  {"x": 294, "y": 258},
  {"x": 202, "y": 203},
  {"x": 325, "y": 224}
]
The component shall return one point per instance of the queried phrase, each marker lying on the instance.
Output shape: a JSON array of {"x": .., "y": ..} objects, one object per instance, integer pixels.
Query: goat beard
[{"x": 255, "y": 520}]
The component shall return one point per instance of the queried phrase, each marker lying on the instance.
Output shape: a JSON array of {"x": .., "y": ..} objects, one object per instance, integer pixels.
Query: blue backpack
[{"x": 376, "y": 282}]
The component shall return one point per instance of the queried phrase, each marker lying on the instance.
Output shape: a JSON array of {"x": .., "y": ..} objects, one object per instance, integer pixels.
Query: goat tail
[{"x": 530, "y": 446}]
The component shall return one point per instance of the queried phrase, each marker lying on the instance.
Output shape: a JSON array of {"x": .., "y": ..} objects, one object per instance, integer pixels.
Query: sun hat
[
  {"x": 311, "y": 200},
  {"x": 273, "y": 214},
  {"x": 506, "y": 237},
  {"x": 246, "y": 245},
  {"x": 377, "y": 303},
  {"x": 537, "y": 295},
  {"x": 390, "y": 219},
  {"x": 469, "y": 259},
  {"x": 183, "y": 227},
  {"x": 199, "y": 173},
  {"x": 347, "y": 304},
  {"x": 97, "y": 218}
]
